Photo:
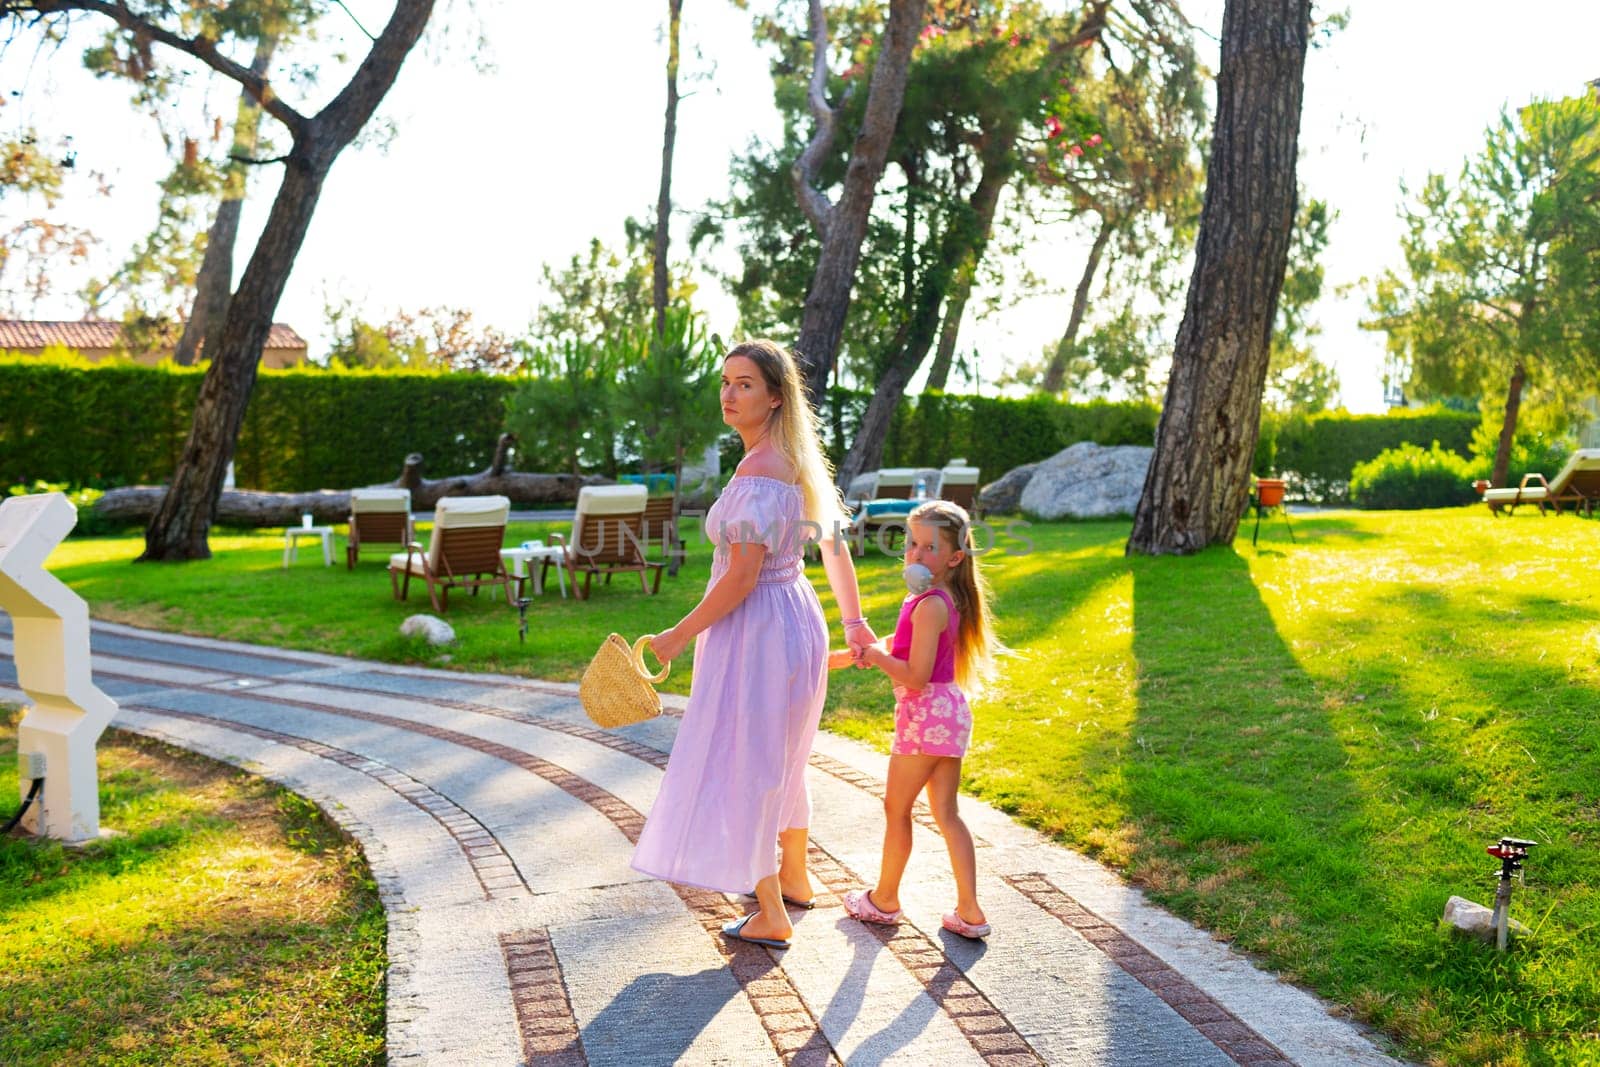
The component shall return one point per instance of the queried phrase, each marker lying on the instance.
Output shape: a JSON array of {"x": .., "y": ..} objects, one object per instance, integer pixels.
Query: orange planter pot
[
  {"x": 1481, "y": 485},
  {"x": 1269, "y": 491}
]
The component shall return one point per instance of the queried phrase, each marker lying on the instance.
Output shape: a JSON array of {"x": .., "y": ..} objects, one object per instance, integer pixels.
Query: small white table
[
  {"x": 291, "y": 538},
  {"x": 520, "y": 562}
]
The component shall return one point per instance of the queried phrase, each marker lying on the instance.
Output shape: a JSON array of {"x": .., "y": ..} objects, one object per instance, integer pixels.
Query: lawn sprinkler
[
  {"x": 1511, "y": 852},
  {"x": 522, "y": 619}
]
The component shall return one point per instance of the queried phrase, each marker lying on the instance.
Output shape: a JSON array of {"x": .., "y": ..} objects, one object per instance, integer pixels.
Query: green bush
[
  {"x": 90, "y": 523},
  {"x": 1317, "y": 453},
  {"x": 1409, "y": 477},
  {"x": 69, "y": 421},
  {"x": 305, "y": 428}
]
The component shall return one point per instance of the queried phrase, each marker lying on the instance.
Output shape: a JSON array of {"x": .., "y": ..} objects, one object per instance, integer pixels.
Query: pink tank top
[{"x": 944, "y": 660}]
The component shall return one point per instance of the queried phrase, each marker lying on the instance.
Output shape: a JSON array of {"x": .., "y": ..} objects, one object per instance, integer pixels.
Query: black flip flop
[
  {"x": 804, "y": 905},
  {"x": 735, "y": 930}
]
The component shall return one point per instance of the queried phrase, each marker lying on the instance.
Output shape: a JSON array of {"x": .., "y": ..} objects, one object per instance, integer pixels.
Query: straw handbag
[{"x": 616, "y": 686}]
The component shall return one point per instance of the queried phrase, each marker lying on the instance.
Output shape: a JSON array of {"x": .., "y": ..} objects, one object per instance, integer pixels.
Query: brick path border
[
  {"x": 1220, "y": 1026},
  {"x": 545, "y": 1018}
]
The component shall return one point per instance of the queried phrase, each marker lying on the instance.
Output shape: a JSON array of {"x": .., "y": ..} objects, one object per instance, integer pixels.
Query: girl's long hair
[
  {"x": 977, "y": 645},
  {"x": 792, "y": 429}
]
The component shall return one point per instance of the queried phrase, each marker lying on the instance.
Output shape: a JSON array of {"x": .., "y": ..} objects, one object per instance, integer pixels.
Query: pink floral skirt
[{"x": 932, "y": 721}]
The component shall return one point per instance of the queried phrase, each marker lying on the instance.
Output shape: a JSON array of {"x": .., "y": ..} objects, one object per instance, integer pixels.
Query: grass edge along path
[
  {"x": 227, "y": 921},
  {"x": 1301, "y": 747}
]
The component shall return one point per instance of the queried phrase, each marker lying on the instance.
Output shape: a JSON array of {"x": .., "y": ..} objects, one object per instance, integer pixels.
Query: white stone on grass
[
  {"x": 1475, "y": 920},
  {"x": 431, "y": 627}
]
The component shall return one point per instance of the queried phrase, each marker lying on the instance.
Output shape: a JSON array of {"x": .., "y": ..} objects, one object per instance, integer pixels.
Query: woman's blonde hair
[
  {"x": 977, "y": 645},
  {"x": 792, "y": 429}
]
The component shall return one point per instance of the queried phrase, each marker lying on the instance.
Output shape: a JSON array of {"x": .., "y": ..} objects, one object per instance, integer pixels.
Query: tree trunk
[
  {"x": 964, "y": 241},
  {"x": 828, "y": 301},
  {"x": 658, "y": 289},
  {"x": 985, "y": 201},
  {"x": 1055, "y": 374},
  {"x": 179, "y": 528},
  {"x": 1508, "y": 427},
  {"x": 502, "y": 454},
  {"x": 214, "y": 283},
  {"x": 674, "y": 557},
  {"x": 1198, "y": 482},
  {"x": 955, "y": 305}
]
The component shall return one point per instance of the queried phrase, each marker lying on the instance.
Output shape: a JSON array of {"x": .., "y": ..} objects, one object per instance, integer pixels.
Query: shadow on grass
[
  {"x": 1237, "y": 782},
  {"x": 1324, "y": 820}
]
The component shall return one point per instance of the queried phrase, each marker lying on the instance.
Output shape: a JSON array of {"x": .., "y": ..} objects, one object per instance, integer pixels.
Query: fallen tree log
[
  {"x": 236, "y": 507},
  {"x": 246, "y": 507}
]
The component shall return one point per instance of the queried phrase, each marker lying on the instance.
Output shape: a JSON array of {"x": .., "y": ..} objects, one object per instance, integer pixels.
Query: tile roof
[{"x": 101, "y": 333}]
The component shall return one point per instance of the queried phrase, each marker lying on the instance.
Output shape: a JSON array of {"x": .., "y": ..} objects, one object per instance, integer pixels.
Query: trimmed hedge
[
  {"x": 110, "y": 424},
  {"x": 1316, "y": 453},
  {"x": 306, "y": 428},
  {"x": 995, "y": 434}
]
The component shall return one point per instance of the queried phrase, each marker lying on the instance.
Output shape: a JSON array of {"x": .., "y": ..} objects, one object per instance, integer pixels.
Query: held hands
[
  {"x": 860, "y": 637},
  {"x": 842, "y": 657}
]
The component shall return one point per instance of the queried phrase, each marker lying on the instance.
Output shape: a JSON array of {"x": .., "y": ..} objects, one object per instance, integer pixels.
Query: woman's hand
[
  {"x": 860, "y": 637},
  {"x": 668, "y": 646}
]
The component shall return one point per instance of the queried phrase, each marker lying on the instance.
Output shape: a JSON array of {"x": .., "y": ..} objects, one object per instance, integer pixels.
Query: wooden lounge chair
[
  {"x": 884, "y": 511},
  {"x": 661, "y": 523},
  {"x": 895, "y": 483},
  {"x": 958, "y": 484},
  {"x": 463, "y": 551},
  {"x": 607, "y": 538},
  {"x": 377, "y": 516},
  {"x": 1577, "y": 484}
]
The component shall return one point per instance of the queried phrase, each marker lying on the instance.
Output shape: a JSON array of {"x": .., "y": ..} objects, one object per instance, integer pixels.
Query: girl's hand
[
  {"x": 841, "y": 657},
  {"x": 668, "y": 646}
]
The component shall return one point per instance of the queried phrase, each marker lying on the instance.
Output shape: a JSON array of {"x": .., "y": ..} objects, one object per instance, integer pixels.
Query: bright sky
[{"x": 492, "y": 174}]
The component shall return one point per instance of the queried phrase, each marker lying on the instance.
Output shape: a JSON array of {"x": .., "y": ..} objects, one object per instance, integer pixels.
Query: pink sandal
[
  {"x": 973, "y": 931},
  {"x": 858, "y": 902}
]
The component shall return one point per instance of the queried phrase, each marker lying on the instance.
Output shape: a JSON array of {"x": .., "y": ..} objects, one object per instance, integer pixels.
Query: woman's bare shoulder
[{"x": 767, "y": 465}]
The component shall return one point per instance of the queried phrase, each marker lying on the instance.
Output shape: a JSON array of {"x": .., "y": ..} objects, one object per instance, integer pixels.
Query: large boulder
[
  {"x": 1004, "y": 494},
  {"x": 1088, "y": 481}
]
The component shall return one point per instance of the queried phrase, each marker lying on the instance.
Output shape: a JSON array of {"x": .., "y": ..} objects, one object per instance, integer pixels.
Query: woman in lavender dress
[{"x": 735, "y": 783}]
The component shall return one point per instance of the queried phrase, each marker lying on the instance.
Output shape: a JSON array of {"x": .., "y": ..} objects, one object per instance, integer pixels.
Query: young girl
[{"x": 944, "y": 642}]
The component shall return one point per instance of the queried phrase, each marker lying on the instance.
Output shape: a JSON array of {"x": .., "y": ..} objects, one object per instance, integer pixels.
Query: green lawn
[
  {"x": 1305, "y": 748},
  {"x": 226, "y": 923}
]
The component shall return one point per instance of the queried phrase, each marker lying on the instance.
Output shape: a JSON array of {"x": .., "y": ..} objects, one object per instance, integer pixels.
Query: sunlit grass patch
[{"x": 226, "y": 922}]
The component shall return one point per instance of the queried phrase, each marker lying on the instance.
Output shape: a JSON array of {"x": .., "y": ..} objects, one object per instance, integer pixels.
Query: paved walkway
[{"x": 499, "y": 822}]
